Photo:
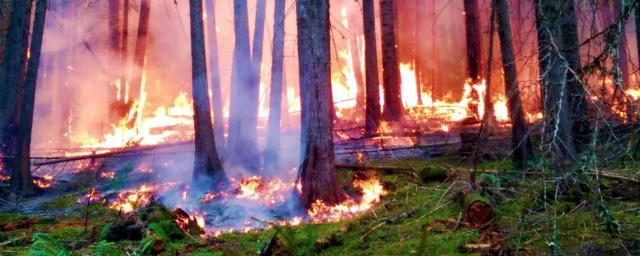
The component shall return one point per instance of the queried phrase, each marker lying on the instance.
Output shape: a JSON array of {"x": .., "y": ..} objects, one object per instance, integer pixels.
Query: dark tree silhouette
[
  {"x": 272, "y": 149},
  {"x": 393, "y": 109},
  {"x": 472, "y": 26},
  {"x": 141, "y": 49},
  {"x": 520, "y": 141},
  {"x": 11, "y": 90},
  {"x": 207, "y": 163},
  {"x": 317, "y": 172},
  {"x": 556, "y": 101},
  {"x": 373, "y": 110},
  {"x": 21, "y": 176}
]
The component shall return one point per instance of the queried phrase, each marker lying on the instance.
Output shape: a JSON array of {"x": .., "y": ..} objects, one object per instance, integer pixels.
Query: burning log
[{"x": 191, "y": 225}]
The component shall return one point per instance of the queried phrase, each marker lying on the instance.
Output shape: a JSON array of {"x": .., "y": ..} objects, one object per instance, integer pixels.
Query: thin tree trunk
[
  {"x": 242, "y": 145},
  {"x": 214, "y": 69},
  {"x": 373, "y": 112},
  {"x": 393, "y": 109},
  {"x": 557, "y": 113},
  {"x": 415, "y": 46},
  {"x": 520, "y": 141},
  {"x": 623, "y": 56},
  {"x": 207, "y": 168},
  {"x": 22, "y": 163},
  {"x": 317, "y": 172},
  {"x": 140, "y": 50},
  {"x": 11, "y": 90},
  {"x": 272, "y": 150},
  {"x": 124, "y": 44}
]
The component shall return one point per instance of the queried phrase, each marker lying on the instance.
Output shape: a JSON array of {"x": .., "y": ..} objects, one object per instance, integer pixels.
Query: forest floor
[{"x": 421, "y": 215}]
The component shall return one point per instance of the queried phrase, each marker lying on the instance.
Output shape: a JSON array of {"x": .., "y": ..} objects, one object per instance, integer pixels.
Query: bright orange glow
[{"x": 371, "y": 190}]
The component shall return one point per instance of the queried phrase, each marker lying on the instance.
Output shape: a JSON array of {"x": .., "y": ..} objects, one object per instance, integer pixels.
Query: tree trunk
[
  {"x": 317, "y": 172},
  {"x": 207, "y": 168},
  {"x": 623, "y": 57},
  {"x": 556, "y": 101},
  {"x": 581, "y": 127},
  {"x": 520, "y": 141},
  {"x": 393, "y": 109},
  {"x": 472, "y": 25},
  {"x": 140, "y": 51},
  {"x": 373, "y": 112},
  {"x": 11, "y": 91},
  {"x": 272, "y": 150},
  {"x": 124, "y": 44},
  {"x": 242, "y": 145},
  {"x": 114, "y": 44},
  {"x": 21, "y": 179},
  {"x": 214, "y": 69}
]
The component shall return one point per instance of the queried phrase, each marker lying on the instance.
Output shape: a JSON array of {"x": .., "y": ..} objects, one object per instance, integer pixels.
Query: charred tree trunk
[
  {"x": 373, "y": 112},
  {"x": 356, "y": 51},
  {"x": 556, "y": 100},
  {"x": 11, "y": 91},
  {"x": 393, "y": 109},
  {"x": 214, "y": 69},
  {"x": 21, "y": 176},
  {"x": 242, "y": 145},
  {"x": 317, "y": 172},
  {"x": 272, "y": 150},
  {"x": 207, "y": 163},
  {"x": 141, "y": 50},
  {"x": 520, "y": 141},
  {"x": 472, "y": 25}
]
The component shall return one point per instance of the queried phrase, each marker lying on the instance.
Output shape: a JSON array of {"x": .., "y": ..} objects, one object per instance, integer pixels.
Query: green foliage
[
  {"x": 104, "y": 248},
  {"x": 46, "y": 245},
  {"x": 613, "y": 226}
]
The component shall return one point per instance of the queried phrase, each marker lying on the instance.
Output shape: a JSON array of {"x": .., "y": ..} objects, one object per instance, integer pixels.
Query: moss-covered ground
[{"x": 416, "y": 217}]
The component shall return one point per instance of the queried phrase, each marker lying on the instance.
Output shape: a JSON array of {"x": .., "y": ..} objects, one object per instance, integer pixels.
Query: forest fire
[{"x": 266, "y": 113}]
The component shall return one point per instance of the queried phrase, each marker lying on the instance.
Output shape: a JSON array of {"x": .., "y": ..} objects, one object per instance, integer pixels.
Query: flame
[
  {"x": 45, "y": 181},
  {"x": 371, "y": 190}
]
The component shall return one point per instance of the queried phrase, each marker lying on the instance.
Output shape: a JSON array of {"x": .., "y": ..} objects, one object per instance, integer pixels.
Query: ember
[{"x": 44, "y": 181}]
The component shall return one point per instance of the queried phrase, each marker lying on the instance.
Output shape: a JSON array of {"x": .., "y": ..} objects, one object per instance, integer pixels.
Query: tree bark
[
  {"x": 556, "y": 101},
  {"x": 623, "y": 57},
  {"x": 214, "y": 69},
  {"x": 207, "y": 168},
  {"x": 21, "y": 179},
  {"x": 373, "y": 112},
  {"x": 11, "y": 90},
  {"x": 272, "y": 150},
  {"x": 317, "y": 172},
  {"x": 140, "y": 50},
  {"x": 520, "y": 141},
  {"x": 242, "y": 145},
  {"x": 393, "y": 109},
  {"x": 472, "y": 25}
]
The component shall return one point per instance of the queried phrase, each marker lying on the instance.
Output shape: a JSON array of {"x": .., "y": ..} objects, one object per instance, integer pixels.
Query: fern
[{"x": 46, "y": 245}]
